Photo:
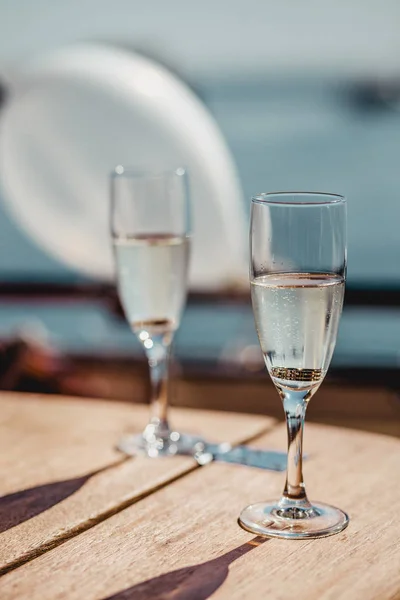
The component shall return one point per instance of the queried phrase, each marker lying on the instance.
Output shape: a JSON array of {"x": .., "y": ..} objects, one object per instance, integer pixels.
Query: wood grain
[
  {"x": 183, "y": 541},
  {"x": 60, "y": 473}
]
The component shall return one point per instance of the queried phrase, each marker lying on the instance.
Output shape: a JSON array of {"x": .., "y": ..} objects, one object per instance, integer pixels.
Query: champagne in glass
[
  {"x": 151, "y": 238},
  {"x": 152, "y": 279},
  {"x": 297, "y": 277},
  {"x": 297, "y": 317}
]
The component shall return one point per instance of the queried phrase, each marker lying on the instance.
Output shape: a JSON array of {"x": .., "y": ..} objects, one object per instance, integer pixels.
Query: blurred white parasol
[{"x": 76, "y": 114}]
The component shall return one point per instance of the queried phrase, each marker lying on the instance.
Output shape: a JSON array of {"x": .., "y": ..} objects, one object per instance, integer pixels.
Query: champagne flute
[
  {"x": 151, "y": 239},
  {"x": 297, "y": 276}
]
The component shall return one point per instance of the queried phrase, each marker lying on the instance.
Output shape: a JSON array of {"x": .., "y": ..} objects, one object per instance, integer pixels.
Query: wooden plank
[
  {"x": 183, "y": 542},
  {"x": 60, "y": 472}
]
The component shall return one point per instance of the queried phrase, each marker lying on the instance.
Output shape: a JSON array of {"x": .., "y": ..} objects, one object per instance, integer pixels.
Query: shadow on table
[
  {"x": 21, "y": 506},
  {"x": 197, "y": 582}
]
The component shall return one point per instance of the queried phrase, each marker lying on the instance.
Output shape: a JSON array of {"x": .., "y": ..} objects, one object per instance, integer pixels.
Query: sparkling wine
[
  {"x": 297, "y": 317},
  {"x": 152, "y": 272}
]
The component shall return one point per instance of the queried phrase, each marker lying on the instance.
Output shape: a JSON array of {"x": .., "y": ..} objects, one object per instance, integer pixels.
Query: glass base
[
  {"x": 172, "y": 444},
  {"x": 268, "y": 519}
]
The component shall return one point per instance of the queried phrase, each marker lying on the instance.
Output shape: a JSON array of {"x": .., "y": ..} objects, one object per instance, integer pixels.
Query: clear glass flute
[
  {"x": 151, "y": 239},
  {"x": 297, "y": 276}
]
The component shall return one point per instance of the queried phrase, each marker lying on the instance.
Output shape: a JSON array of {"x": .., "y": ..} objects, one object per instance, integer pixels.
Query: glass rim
[
  {"x": 278, "y": 198},
  {"x": 138, "y": 172}
]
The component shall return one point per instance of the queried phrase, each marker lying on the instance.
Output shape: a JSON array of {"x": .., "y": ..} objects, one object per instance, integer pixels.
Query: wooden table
[{"x": 78, "y": 521}]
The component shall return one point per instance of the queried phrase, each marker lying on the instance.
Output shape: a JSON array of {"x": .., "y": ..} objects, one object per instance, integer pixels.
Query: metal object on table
[{"x": 271, "y": 460}]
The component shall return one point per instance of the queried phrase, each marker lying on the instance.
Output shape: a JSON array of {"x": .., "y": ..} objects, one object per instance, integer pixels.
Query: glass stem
[
  {"x": 294, "y": 499},
  {"x": 158, "y": 358}
]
